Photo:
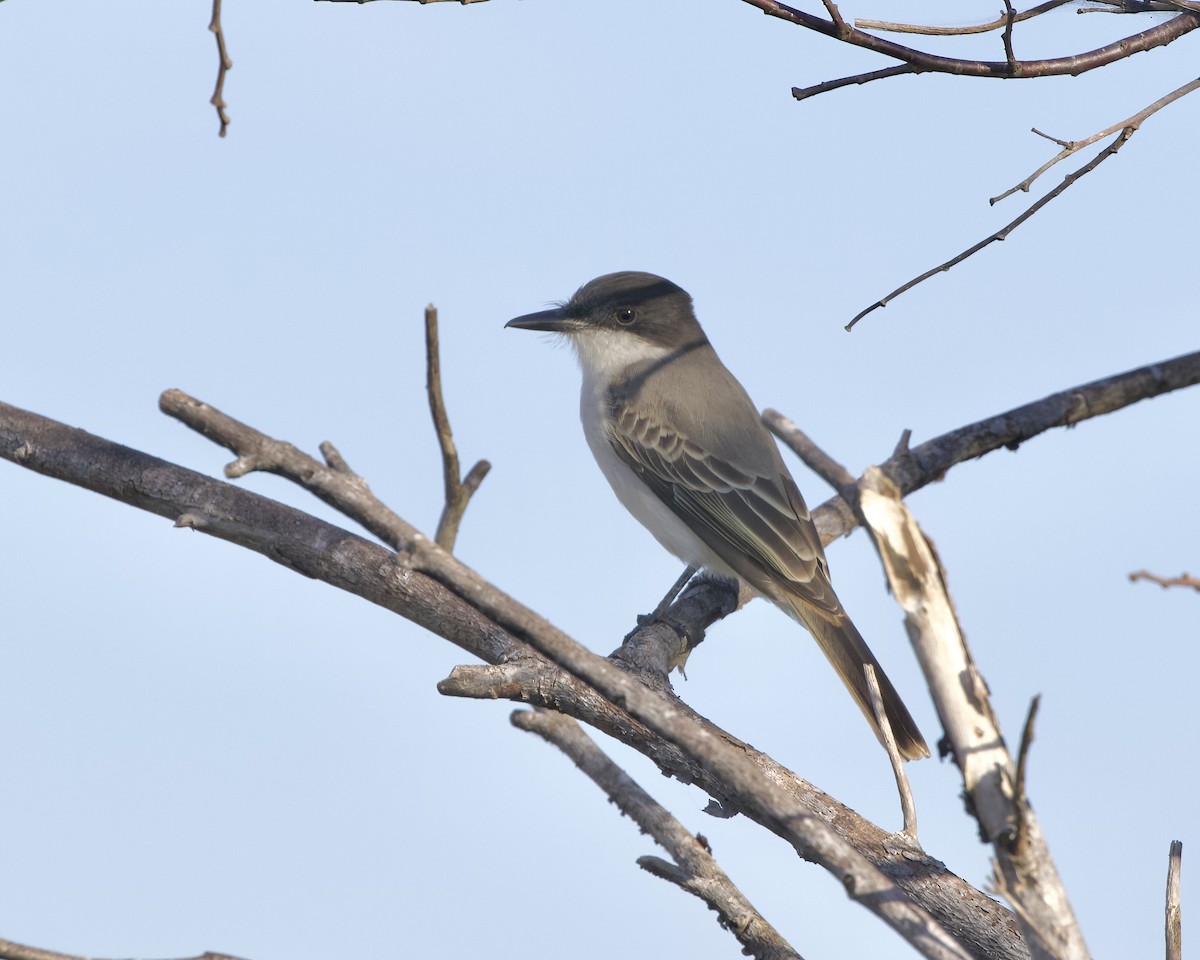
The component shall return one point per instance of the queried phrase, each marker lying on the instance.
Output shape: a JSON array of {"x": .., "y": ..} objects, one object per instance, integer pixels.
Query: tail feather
[{"x": 845, "y": 648}]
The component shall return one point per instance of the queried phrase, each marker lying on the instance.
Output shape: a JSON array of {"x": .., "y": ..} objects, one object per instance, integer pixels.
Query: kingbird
[{"x": 686, "y": 452}]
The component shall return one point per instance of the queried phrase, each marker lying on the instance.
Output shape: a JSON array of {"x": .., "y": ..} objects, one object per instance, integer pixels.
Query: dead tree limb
[{"x": 436, "y": 591}]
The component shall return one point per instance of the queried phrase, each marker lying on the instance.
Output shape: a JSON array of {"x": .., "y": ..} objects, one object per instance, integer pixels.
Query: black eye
[{"x": 625, "y": 315}]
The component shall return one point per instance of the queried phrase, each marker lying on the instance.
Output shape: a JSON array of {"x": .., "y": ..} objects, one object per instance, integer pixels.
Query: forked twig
[
  {"x": 1004, "y": 231},
  {"x": 1123, "y": 130},
  {"x": 458, "y": 491},
  {"x": 1073, "y": 146}
]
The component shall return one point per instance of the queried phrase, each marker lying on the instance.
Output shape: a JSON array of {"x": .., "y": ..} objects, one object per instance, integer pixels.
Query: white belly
[{"x": 666, "y": 526}]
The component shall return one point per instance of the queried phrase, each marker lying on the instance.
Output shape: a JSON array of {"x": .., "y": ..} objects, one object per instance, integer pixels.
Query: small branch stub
[{"x": 1174, "y": 917}]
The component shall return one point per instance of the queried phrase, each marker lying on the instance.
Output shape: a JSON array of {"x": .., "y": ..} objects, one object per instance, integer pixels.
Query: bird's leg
[
  {"x": 665, "y": 603},
  {"x": 659, "y": 615}
]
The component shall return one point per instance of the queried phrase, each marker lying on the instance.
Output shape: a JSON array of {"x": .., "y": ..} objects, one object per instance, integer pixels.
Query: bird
[{"x": 686, "y": 452}]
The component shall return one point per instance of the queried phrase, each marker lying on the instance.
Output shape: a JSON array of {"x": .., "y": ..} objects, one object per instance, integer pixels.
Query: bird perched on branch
[{"x": 684, "y": 449}]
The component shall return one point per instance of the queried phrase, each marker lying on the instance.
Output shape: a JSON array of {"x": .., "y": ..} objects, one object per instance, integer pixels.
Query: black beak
[{"x": 554, "y": 321}]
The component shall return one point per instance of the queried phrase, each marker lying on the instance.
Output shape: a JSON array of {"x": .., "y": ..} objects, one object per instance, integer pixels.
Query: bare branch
[
  {"x": 932, "y": 31},
  {"x": 803, "y": 93},
  {"x": 1023, "y": 866},
  {"x": 1174, "y": 920},
  {"x": 1073, "y": 146},
  {"x": 434, "y": 590},
  {"x": 458, "y": 492},
  {"x": 1123, "y": 130},
  {"x": 694, "y": 870},
  {"x": 430, "y": 587},
  {"x": 1004, "y": 231},
  {"x": 333, "y": 482},
  {"x": 912, "y": 469},
  {"x": 1157, "y": 36},
  {"x": 1183, "y": 580},
  {"x": 811, "y": 837},
  {"x": 224, "y": 65},
  {"x": 17, "y": 951}
]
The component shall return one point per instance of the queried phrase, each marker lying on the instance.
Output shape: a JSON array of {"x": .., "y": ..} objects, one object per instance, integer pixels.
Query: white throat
[{"x": 605, "y": 356}]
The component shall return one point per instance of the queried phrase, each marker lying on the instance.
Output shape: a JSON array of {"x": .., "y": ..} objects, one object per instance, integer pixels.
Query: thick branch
[
  {"x": 1024, "y": 870},
  {"x": 431, "y": 588},
  {"x": 760, "y": 796},
  {"x": 911, "y": 469},
  {"x": 436, "y": 591},
  {"x": 1157, "y": 36}
]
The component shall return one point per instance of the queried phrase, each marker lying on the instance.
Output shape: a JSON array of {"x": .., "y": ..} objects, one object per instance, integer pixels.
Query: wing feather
[{"x": 758, "y": 524}]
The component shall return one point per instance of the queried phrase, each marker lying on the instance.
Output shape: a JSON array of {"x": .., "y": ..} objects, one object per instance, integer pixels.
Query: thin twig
[
  {"x": 908, "y": 809},
  {"x": 1004, "y": 231},
  {"x": 458, "y": 492},
  {"x": 803, "y": 93},
  {"x": 1174, "y": 922},
  {"x": 694, "y": 869},
  {"x": 1073, "y": 146},
  {"x": 932, "y": 31},
  {"x": 1183, "y": 580},
  {"x": 224, "y": 65}
]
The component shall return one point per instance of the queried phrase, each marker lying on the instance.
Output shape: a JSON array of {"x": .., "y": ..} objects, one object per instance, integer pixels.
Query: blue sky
[{"x": 204, "y": 751}]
